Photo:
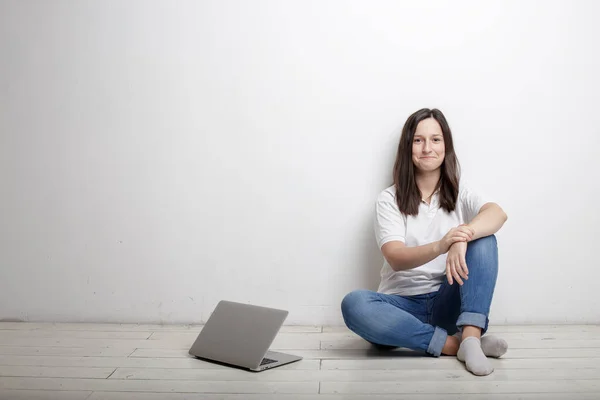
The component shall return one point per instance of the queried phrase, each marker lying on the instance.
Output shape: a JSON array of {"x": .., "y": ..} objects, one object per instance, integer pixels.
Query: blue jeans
[{"x": 424, "y": 321}]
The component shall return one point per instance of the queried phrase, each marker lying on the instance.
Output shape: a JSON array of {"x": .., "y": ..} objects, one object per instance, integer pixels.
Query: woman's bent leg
[
  {"x": 383, "y": 319},
  {"x": 476, "y": 293},
  {"x": 471, "y": 302},
  {"x": 456, "y": 306}
]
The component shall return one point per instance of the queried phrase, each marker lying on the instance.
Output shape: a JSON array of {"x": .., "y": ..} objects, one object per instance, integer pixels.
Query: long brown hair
[{"x": 408, "y": 195}]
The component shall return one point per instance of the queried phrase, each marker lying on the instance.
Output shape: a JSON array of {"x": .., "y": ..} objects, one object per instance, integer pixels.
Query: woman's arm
[
  {"x": 402, "y": 258},
  {"x": 488, "y": 221}
]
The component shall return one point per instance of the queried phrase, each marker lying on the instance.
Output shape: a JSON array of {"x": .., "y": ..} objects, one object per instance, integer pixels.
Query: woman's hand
[
  {"x": 461, "y": 233},
  {"x": 456, "y": 265}
]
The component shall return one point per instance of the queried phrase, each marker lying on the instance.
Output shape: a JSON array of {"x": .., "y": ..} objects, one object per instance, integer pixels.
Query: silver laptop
[{"x": 240, "y": 335}]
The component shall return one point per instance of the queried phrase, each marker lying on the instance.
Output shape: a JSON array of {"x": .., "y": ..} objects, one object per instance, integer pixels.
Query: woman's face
[{"x": 428, "y": 148}]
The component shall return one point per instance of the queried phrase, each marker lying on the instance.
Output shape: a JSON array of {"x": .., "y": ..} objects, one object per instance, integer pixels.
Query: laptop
[{"x": 240, "y": 335}]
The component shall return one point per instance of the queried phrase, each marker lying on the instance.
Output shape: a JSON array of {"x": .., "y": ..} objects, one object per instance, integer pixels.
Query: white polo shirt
[{"x": 430, "y": 225}]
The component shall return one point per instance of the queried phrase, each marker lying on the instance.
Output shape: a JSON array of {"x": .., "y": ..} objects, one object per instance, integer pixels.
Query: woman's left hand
[{"x": 456, "y": 265}]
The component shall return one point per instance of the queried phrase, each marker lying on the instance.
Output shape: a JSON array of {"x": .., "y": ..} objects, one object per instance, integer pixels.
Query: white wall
[{"x": 157, "y": 157}]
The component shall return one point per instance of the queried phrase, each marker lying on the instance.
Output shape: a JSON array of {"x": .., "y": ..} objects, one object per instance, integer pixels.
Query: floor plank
[
  {"x": 8, "y": 394},
  {"x": 55, "y": 372},
  {"x": 459, "y": 373},
  {"x": 399, "y": 353},
  {"x": 298, "y": 341},
  {"x": 66, "y": 351},
  {"x": 447, "y": 362},
  {"x": 6, "y": 335},
  {"x": 130, "y": 362},
  {"x": 412, "y": 396},
  {"x": 476, "y": 386},
  {"x": 161, "y": 386},
  {"x": 128, "y": 327},
  {"x": 404, "y": 353}
]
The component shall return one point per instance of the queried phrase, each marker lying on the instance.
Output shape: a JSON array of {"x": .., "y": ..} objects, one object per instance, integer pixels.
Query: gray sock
[
  {"x": 471, "y": 354},
  {"x": 491, "y": 345}
]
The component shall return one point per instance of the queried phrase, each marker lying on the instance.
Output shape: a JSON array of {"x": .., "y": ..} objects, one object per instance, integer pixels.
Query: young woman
[{"x": 440, "y": 252}]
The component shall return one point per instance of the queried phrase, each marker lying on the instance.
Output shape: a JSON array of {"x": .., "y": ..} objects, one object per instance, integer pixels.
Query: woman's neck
[{"x": 427, "y": 181}]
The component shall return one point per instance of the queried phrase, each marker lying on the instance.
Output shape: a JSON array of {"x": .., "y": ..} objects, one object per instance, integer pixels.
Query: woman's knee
[
  {"x": 361, "y": 316},
  {"x": 483, "y": 246},
  {"x": 354, "y": 301}
]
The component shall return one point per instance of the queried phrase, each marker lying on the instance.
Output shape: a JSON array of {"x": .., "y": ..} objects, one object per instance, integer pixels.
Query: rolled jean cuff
[
  {"x": 438, "y": 340},
  {"x": 474, "y": 319}
]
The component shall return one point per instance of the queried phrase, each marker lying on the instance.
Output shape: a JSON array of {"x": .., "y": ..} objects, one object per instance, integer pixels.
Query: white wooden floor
[{"x": 130, "y": 362}]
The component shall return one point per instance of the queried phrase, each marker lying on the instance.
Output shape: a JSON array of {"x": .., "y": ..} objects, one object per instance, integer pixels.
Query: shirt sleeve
[
  {"x": 471, "y": 202},
  {"x": 389, "y": 224}
]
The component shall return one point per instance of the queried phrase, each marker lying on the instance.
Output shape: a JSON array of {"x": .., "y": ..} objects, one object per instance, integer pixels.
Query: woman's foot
[
  {"x": 471, "y": 354},
  {"x": 492, "y": 346}
]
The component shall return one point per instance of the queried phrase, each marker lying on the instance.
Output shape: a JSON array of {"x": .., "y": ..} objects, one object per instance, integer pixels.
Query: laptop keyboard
[{"x": 267, "y": 361}]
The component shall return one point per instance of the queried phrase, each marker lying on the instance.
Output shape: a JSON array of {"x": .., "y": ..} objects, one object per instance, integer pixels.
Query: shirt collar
[{"x": 435, "y": 198}]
